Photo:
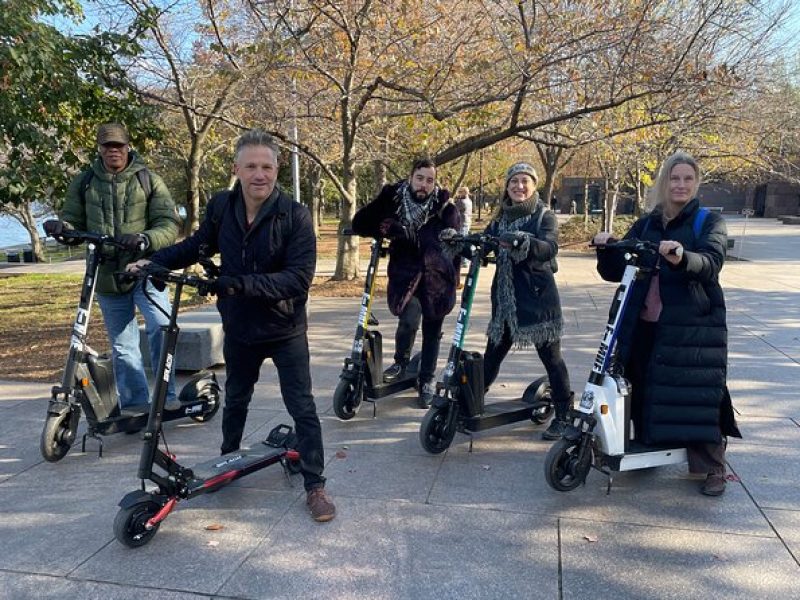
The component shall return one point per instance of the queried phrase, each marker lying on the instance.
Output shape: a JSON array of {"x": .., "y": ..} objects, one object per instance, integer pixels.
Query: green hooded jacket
[{"x": 115, "y": 204}]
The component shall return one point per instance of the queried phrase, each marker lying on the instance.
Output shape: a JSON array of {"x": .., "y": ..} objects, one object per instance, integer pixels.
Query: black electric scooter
[
  {"x": 459, "y": 401},
  {"x": 142, "y": 512},
  {"x": 88, "y": 381},
  {"x": 362, "y": 375}
]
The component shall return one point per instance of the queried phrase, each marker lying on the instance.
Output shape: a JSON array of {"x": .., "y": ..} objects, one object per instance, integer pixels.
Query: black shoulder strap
[
  {"x": 85, "y": 181},
  {"x": 143, "y": 175}
]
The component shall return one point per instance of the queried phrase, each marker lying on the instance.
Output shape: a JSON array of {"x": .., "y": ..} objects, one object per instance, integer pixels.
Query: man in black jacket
[
  {"x": 422, "y": 280},
  {"x": 268, "y": 252}
]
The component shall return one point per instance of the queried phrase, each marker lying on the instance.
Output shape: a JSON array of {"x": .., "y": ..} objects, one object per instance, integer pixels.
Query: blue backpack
[{"x": 697, "y": 225}]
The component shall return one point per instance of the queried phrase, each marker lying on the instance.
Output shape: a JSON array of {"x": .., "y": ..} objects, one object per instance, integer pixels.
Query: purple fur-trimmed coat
[{"x": 420, "y": 270}]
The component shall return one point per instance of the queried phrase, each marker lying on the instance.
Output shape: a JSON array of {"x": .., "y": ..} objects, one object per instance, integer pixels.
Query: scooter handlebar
[
  {"x": 160, "y": 276},
  {"x": 72, "y": 237},
  {"x": 632, "y": 245}
]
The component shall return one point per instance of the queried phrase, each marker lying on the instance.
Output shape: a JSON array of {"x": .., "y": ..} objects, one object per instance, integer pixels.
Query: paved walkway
[{"x": 458, "y": 525}]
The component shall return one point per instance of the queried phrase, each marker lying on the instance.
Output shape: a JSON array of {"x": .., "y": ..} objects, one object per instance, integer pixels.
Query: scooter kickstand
[
  {"x": 95, "y": 437},
  {"x": 470, "y": 442},
  {"x": 285, "y": 465}
]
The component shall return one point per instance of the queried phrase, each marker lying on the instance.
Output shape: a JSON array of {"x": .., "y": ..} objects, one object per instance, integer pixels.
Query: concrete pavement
[{"x": 457, "y": 525}]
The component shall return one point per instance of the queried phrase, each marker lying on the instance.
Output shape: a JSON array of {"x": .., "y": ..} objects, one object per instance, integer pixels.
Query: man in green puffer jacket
[{"x": 117, "y": 195}]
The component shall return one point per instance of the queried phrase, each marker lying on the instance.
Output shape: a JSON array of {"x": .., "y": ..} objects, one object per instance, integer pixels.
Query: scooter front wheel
[
  {"x": 434, "y": 433},
  {"x": 347, "y": 399},
  {"x": 130, "y": 523},
  {"x": 563, "y": 467},
  {"x": 56, "y": 437}
]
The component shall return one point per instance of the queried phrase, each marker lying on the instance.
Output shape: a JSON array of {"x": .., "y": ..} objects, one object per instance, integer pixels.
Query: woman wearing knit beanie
[{"x": 526, "y": 308}]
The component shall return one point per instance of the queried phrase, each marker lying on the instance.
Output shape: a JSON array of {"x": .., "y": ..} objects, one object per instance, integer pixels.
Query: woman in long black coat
[
  {"x": 526, "y": 308},
  {"x": 677, "y": 351}
]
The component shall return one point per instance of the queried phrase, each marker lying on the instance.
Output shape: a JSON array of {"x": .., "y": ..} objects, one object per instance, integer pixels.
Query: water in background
[{"x": 12, "y": 234}]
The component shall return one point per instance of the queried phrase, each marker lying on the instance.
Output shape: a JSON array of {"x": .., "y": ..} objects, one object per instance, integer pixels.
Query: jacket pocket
[{"x": 699, "y": 297}]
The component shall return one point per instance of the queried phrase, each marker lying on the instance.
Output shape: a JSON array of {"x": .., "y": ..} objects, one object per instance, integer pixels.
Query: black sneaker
[
  {"x": 556, "y": 429},
  {"x": 427, "y": 392},
  {"x": 393, "y": 373}
]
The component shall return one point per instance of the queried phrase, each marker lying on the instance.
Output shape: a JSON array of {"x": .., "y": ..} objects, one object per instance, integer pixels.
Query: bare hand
[
  {"x": 134, "y": 267},
  {"x": 671, "y": 250}
]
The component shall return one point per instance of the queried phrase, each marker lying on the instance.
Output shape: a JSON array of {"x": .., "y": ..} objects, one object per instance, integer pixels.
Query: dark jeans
[
  {"x": 549, "y": 354},
  {"x": 406, "y": 333},
  {"x": 242, "y": 365}
]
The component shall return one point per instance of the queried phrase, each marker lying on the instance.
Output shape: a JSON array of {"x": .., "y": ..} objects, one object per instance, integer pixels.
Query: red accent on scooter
[
  {"x": 292, "y": 455},
  {"x": 221, "y": 479},
  {"x": 161, "y": 514}
]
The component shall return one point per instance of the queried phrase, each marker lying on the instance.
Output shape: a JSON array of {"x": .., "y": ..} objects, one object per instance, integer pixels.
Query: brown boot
[
  {"x": 714, "y": 485},
  {"x": 321, "y": 507}
]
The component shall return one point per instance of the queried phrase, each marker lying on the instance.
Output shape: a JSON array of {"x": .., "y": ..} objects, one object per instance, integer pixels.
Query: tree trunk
[
  {"x": 379, "y": 175},
  {"x": 550, "y": 157},
  {"x": 193, "y": 188},
  {"x": 28, "y": 221},
  {"x": 315, "y": 200},
  {"x": 612, "y": 196},
  {"x": 347, "y": 265}
]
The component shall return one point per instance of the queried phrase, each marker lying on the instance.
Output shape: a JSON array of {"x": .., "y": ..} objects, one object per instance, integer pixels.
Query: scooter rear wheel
[
  {"x": 538, "y": 393},
  {"x": 347, "y": 399},
  {"x": 129, "y": 524},
  {"x": 434, "y": 434},
  {"x": 562, "y": 468},
  {"x": 54, "y": 443}
]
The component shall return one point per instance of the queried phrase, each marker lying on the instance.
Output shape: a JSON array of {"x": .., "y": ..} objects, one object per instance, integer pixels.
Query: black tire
[
  {"x": 213, "y": 398},
  {"x": 55, "y": 441},
  {"x": 561, "y": 467},
  {"x": 434, "y": 435},
  {"x": 294, "y": 466},
  {"x": 129, "y": 524},
  {"x": 538, "y": 393},
  {"x": 347, "y": 399}
]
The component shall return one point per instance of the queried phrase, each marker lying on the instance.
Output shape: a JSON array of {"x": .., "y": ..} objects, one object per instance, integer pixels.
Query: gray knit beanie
[{"x": 521, "y": 167}]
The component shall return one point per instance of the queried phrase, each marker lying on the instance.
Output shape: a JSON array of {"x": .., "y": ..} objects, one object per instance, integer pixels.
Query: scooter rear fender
[{"x": 132, "y": 498}]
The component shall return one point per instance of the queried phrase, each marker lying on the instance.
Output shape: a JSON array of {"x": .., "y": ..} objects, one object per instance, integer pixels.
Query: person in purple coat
[{"x": 422, "y": 279}]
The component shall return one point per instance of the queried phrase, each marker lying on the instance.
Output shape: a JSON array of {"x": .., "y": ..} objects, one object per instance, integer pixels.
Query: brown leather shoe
[
  {"x": 714, "y": 485},
  {"x": 321, "y": 507}
]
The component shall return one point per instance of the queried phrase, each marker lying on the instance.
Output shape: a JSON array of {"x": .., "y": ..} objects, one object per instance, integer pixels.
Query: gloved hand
[
  {"x": 226, "y": 285},
  {"x": 512, "y": 239},
  {"x": 132, "y": 242},
  {"x": 447, "y": 234},
  {"x": 53, "y": 227},
  {"x": 395, "y": 230}
]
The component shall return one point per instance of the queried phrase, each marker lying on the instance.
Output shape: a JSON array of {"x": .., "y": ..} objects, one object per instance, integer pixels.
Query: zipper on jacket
[{"x": 114, "y": 223}]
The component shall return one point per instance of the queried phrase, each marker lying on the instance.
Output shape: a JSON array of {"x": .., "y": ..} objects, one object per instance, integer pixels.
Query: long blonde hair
[{"x": 660, "y": 192}]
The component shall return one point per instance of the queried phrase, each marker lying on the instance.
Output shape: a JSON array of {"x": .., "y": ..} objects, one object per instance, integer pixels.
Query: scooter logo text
[
  {"x": 228, "y": 461},
  {"x": 167, "y": 367}
]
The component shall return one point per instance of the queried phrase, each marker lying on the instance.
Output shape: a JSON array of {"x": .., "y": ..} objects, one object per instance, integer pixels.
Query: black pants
[
  {"x": 549, "y": 354},
  {"x": 406, "y": 333},
  {"x": 242, "y": 365}
]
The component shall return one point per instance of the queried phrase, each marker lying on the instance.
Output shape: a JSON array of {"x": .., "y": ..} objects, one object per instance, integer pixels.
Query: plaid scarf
[{"x": 411, "y": 212}]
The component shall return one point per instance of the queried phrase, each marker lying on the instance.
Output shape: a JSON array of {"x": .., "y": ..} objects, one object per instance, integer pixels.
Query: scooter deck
[
  {"x": 134, "y": 419},
  {"x": 222, "y": 470},
  {"x": 640, "y": 456},
  {"x": 497, "y": 414},
  {"x": 387, "y": 389}
]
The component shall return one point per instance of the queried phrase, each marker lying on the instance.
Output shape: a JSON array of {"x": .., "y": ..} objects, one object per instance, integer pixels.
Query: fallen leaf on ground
[
  {"x": 341, "y": 454},
  {"x": 590, "y": 538},
  {"x": 214, "y": 527},
  {"x": 732, "y": 477},
  {"x": 486, "y": 467},
  {"x": 213, "y": 543}
]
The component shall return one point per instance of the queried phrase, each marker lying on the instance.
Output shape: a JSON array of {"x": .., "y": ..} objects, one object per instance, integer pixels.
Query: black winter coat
[
  {"x": 535, "y": 317},
  {"x": 275, "y": 260},
  {"x": 420, "y": 269},
  {"x": 685, "y": 396}
]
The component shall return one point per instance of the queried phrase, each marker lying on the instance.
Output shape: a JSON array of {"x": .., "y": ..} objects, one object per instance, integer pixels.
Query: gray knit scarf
[
  {"x": 513, "y": 217},
  {"x": 411, "y": 212}
]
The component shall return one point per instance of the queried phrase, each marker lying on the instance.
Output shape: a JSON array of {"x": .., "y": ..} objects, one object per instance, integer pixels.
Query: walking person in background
[
  {"x": 464, "y": 205},
  {"x": 675, "y": 354}
]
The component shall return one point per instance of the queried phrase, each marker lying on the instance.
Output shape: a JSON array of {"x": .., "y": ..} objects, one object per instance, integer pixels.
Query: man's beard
[{"x": 420, "y": 195}]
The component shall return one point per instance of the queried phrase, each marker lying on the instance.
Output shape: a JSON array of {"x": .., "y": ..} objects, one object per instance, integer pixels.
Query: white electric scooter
[{"x": 601, "y": 434}]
